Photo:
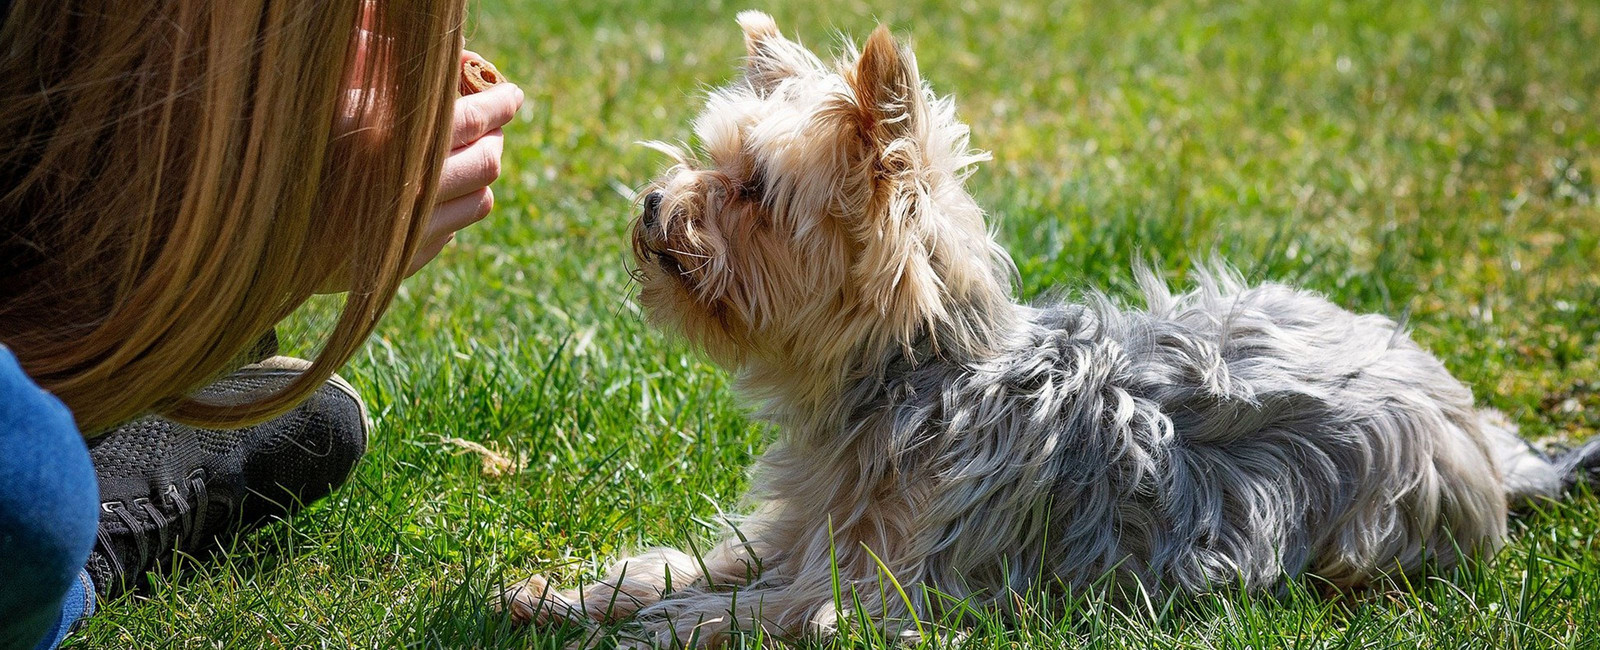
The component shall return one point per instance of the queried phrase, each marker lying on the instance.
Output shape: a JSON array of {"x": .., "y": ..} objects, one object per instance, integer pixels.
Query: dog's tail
[{"x": 1531, "y": 473}]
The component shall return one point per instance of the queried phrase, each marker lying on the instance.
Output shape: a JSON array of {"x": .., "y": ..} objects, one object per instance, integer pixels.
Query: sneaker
[{"x": 168, "y": 489}]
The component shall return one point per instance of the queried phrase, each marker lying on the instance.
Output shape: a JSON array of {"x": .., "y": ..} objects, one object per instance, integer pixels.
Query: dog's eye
[{"x": 754, "y": 185}]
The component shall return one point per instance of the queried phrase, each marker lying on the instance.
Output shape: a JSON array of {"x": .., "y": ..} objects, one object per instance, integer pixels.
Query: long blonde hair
[{"x": 177, "y": 176}]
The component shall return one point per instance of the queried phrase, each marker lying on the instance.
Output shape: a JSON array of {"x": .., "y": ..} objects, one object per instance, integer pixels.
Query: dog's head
[{"x": 824, "y": 216}]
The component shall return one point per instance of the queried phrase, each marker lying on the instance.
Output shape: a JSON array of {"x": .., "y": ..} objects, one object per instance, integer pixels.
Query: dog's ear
[
  {"x": 895, "y": 264},
  {"x": 769, "y": 57},
  {"x": 888, "y": 89}
]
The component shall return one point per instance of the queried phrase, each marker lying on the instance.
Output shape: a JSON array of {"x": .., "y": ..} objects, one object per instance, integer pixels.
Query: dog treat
[{"x": 478, "y": 75}]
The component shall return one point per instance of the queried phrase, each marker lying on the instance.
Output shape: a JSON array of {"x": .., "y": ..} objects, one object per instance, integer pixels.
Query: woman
[{"x": 176, "y": 177}]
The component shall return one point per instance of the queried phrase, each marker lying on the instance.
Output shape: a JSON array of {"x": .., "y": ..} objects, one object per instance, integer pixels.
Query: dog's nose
[{"x": 652, "y": 205}]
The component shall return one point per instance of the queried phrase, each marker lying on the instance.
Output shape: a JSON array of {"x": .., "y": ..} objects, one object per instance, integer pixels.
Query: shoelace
[{"x": 188, "y": 521}]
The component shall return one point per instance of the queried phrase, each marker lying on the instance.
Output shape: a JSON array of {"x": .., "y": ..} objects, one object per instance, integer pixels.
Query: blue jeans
[{"x": 49, "y": 511}]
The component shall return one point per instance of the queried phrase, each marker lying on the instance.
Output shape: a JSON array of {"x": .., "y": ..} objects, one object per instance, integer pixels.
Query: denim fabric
[
  {"x": 78, "y": 605},
  {"x": 49, "y": 511}
]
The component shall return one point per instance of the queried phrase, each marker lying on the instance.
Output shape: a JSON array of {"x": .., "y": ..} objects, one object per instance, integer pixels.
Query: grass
[{"x": 1434, "y": 158}]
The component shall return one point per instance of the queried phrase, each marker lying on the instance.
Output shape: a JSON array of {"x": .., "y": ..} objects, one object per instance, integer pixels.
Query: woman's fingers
[
  {"x": 471, "y": 168},
  {"x": 476, "y": 143},
  {"x": 479, "y": 114},
  {"x": 455, "y": 215},
  {"x": 448, "y": 218}
]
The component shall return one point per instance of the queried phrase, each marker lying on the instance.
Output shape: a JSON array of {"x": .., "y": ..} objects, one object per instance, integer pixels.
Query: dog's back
[{"x": 1228, "y": 436}]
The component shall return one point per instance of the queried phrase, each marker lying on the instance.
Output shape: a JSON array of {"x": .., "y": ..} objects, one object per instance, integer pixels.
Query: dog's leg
[
  {"x": 805, "y": 600},
  {"x": 535, "y": 601},
  {"x": 709, "y": 619},
  {"x": 831, "y": 561},
  {"x": 787, "y": 611},
  {"x": 632, "y": 584}
]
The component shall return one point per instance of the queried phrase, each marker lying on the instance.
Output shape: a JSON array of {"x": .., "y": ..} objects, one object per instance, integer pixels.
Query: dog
[{"x": 938, "y": 435}]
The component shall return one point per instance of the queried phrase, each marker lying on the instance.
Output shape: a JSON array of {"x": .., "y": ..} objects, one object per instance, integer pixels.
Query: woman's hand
[{"x": 474, "y": 162}]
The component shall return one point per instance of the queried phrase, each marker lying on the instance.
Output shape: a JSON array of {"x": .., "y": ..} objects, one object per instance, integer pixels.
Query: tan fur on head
[{"x": 826, "y": 215}]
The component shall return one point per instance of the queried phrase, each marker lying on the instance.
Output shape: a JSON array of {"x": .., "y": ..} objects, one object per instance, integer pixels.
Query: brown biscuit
[{"x": 477, "y": 75}]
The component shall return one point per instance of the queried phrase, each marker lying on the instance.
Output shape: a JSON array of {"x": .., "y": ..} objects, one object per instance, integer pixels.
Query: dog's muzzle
[
  {"x": 649, "y": 240},
  {"x": 652, "y": 206}
]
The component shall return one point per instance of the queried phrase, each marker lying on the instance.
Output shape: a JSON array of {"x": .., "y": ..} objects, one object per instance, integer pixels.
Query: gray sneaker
[{"x": 168, "y": 489}]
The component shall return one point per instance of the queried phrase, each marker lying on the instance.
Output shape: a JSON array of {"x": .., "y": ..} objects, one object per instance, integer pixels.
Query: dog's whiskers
[{"x": 689, "y": 254}]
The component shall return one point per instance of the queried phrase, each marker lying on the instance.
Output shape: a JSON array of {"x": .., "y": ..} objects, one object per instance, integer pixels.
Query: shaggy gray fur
[{"x": 1230, "y": 436}]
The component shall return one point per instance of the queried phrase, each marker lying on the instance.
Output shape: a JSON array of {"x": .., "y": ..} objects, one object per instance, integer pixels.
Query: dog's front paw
[{"x": 535, "y": 602}]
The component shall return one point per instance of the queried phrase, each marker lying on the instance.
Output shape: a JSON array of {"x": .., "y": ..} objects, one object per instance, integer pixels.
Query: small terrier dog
[{"x": 936, "y": 433}]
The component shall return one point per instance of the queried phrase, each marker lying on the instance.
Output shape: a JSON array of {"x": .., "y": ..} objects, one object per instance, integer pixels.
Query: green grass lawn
[{"x": 1433, "y": 158}]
